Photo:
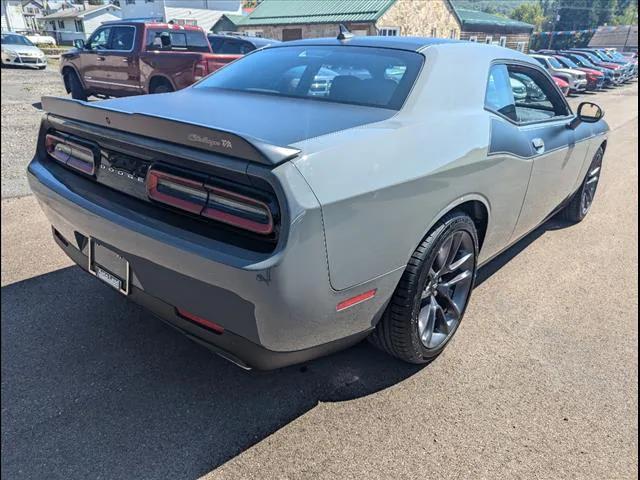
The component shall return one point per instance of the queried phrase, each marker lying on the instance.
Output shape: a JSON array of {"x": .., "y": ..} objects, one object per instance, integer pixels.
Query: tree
[
  {"x": 530, "y": 13},
  {"x": 628, "y": 16}
]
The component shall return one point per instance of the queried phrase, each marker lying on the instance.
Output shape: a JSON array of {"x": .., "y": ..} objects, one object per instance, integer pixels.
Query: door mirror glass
[
  {"x": 78, "y": 43},
  {"x": 589, "y": 112}
]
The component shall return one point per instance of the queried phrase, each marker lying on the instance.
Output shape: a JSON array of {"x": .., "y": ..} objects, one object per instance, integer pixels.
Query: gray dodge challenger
[{"x": 317, "y": 192}]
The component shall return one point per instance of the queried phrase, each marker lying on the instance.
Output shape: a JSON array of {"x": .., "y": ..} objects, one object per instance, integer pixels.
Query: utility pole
[{"x": 556, "y": 19}]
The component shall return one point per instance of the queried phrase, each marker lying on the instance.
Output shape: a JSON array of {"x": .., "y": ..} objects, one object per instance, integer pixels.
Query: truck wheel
[
  {"x": 161, "y": 86},
  {"x": 77, "y": 92},
  {"x": 429, "y": 302}
]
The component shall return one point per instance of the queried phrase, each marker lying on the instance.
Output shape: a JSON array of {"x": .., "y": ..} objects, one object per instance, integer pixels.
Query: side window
[
  {"x": 500, "y": 92},
  {"x": 539, "y": 100},
  {"x": 122, "y": 38},
  {"x": 100, "y": 39},
  {"x": 235, "y": 47},
  {"x": 541, "y": 61}
]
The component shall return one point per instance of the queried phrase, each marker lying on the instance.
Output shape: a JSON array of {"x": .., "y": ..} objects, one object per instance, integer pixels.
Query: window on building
[
  {"x": 473, "y": 38},
  {"x": 61, "y": 24},
  {"x": 130, "y": 2},
  {"x": 503, "y": 41},
  {"x": 488, "y": 40},
  {"x": 148, "y": 1},
  {"x": 520, "y": 46},
  {"x": 79, "y": 25},
  {"x": 185, "y": 21},
  {"x": 389, "y": 32},
  {"x": 434, "y": 32},
  {"x": 453, "y": 34},
  {"x": 254, "y": 33}
]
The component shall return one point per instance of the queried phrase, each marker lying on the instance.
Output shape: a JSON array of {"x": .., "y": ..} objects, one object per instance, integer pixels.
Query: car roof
[
  {"x": 413, "y": 44},
  {"x": 256, "y": 41}
]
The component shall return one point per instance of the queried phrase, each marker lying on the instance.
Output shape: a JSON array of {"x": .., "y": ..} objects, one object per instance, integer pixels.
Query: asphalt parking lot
[{"x": 539, "y": 383}]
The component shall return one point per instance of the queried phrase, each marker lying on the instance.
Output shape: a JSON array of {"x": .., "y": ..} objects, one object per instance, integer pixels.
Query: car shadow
[
  {"x": 505, "y": 257},
  {"x": 96, "y": 387}
]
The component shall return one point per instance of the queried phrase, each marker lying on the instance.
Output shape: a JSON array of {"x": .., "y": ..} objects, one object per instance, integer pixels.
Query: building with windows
[
  {"x": 12, "y": 17},
  {"x": 69, "y": 24},
  {"x": 201, "y": 13},
  {"x": 296, "y": 19}
]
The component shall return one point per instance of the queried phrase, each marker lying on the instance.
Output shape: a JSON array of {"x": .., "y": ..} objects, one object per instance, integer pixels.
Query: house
[
  {"x": 69, "y": 24},
  {"x": 621, "y": 37},
  {"x": 203, "y": 13},
  {"x": 296, "y": 19},
  {"x": 32, "y": 10},
  {"x": 493, "y": 29},
  {"x": 12, "y": 18},
  {"x": 227, "y": 23}
]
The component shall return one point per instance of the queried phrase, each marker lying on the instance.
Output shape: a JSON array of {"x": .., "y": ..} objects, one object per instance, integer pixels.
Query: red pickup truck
[{"x": 133, "y": 57}]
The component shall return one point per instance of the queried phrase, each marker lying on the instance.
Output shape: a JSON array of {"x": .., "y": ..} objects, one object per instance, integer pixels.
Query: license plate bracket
[{"x": 109, "y": 266}]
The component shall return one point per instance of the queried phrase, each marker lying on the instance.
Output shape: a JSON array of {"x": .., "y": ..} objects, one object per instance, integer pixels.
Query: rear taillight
[
  {"x": 211, "y": 201},
  {"x": 71, "y": 154},
  {"x": 201, "y": 70}
]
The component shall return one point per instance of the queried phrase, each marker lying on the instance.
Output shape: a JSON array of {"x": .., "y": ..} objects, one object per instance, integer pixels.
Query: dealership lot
[{"x": 540, "y": 382}]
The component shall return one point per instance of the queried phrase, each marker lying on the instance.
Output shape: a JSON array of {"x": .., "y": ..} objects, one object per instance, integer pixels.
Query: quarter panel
[{"x": 382, "y": 188}]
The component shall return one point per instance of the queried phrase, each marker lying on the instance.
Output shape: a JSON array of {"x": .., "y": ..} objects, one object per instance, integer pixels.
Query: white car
[
  {"x": 576, "y": 79},
  {"x": 42, "y": 39},
  {"x": 19, "y": 50}
]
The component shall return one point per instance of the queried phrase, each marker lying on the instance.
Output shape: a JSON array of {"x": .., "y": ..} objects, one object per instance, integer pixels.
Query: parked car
[
  {"x": 279, "y": 226},
  {"x": 562, "y": 85},
  {"x": 618, "y": 72},
  {"x": 611, "y": 77},
  {"x": 124, "y": 58},
  {"x": 595, "y": 79},
  {"x": 18, "y": 50},
  {"x": 231, "y": 44},
  {"x": 38, "y": 39},
  {"x": 576, "y": 79},
  {"x": 626, "y": 66}
]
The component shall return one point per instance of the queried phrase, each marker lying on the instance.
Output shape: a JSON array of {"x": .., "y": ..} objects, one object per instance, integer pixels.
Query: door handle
[
  {"x": 538, "y": 144},
  {"x": 125, "y": 60},
  {"x": 100, "y": 59}
]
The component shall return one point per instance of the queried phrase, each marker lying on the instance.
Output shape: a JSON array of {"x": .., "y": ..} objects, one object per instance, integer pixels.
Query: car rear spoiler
[{"x": 174, "y": 131}]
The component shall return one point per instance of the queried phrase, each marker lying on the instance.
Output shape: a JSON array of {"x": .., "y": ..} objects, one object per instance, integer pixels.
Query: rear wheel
[
  {"x": 161, "y": 86},
  {"x": 75, "y": 86},
  {"x": 428, "y": 305},
  {"x": 581, "y": 202}
]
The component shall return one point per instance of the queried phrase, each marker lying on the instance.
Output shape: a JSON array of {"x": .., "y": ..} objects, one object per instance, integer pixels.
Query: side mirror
[
  {"x": 587, "y": 113},
  {"x": 78, "y": 43}
]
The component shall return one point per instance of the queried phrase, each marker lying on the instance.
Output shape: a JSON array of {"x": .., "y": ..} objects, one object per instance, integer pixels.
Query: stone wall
[
  {"x": 420, "y": 17},
  {"x": 309, "y": 30},
  {"x": 512, "y": 38}
]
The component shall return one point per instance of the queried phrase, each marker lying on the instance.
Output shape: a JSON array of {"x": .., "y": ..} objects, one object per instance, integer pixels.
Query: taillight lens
[
  {"x": 238, "y": 210},
  {"x": 201, "y": 70},
  {"x": 71, "y": 154},
  {"x": 210, "y": 201}
]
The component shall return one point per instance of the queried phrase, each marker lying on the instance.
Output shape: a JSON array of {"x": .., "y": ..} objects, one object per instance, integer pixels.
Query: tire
[
  {"x": 403, "y": 329},
  {"x": 580, "y": 204},
  {"x": 161, "y": 87},
  {"x": 75, "y": 87}
]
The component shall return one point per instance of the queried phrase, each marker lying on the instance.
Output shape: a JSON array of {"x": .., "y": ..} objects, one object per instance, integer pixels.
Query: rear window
[
  {"x": 375, "y": 77},
  {"x": 165, "y": 39}
]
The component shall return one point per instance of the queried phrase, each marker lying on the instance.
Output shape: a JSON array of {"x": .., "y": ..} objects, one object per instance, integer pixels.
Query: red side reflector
[
  {"x": 356, "y": 300},
  {"x": 201, "y": 321}
]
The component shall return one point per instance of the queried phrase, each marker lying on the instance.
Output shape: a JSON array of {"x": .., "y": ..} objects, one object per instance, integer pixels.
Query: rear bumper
[
  {"x": 275, "y": 310},
  {"x": 233, "y": 347}
]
